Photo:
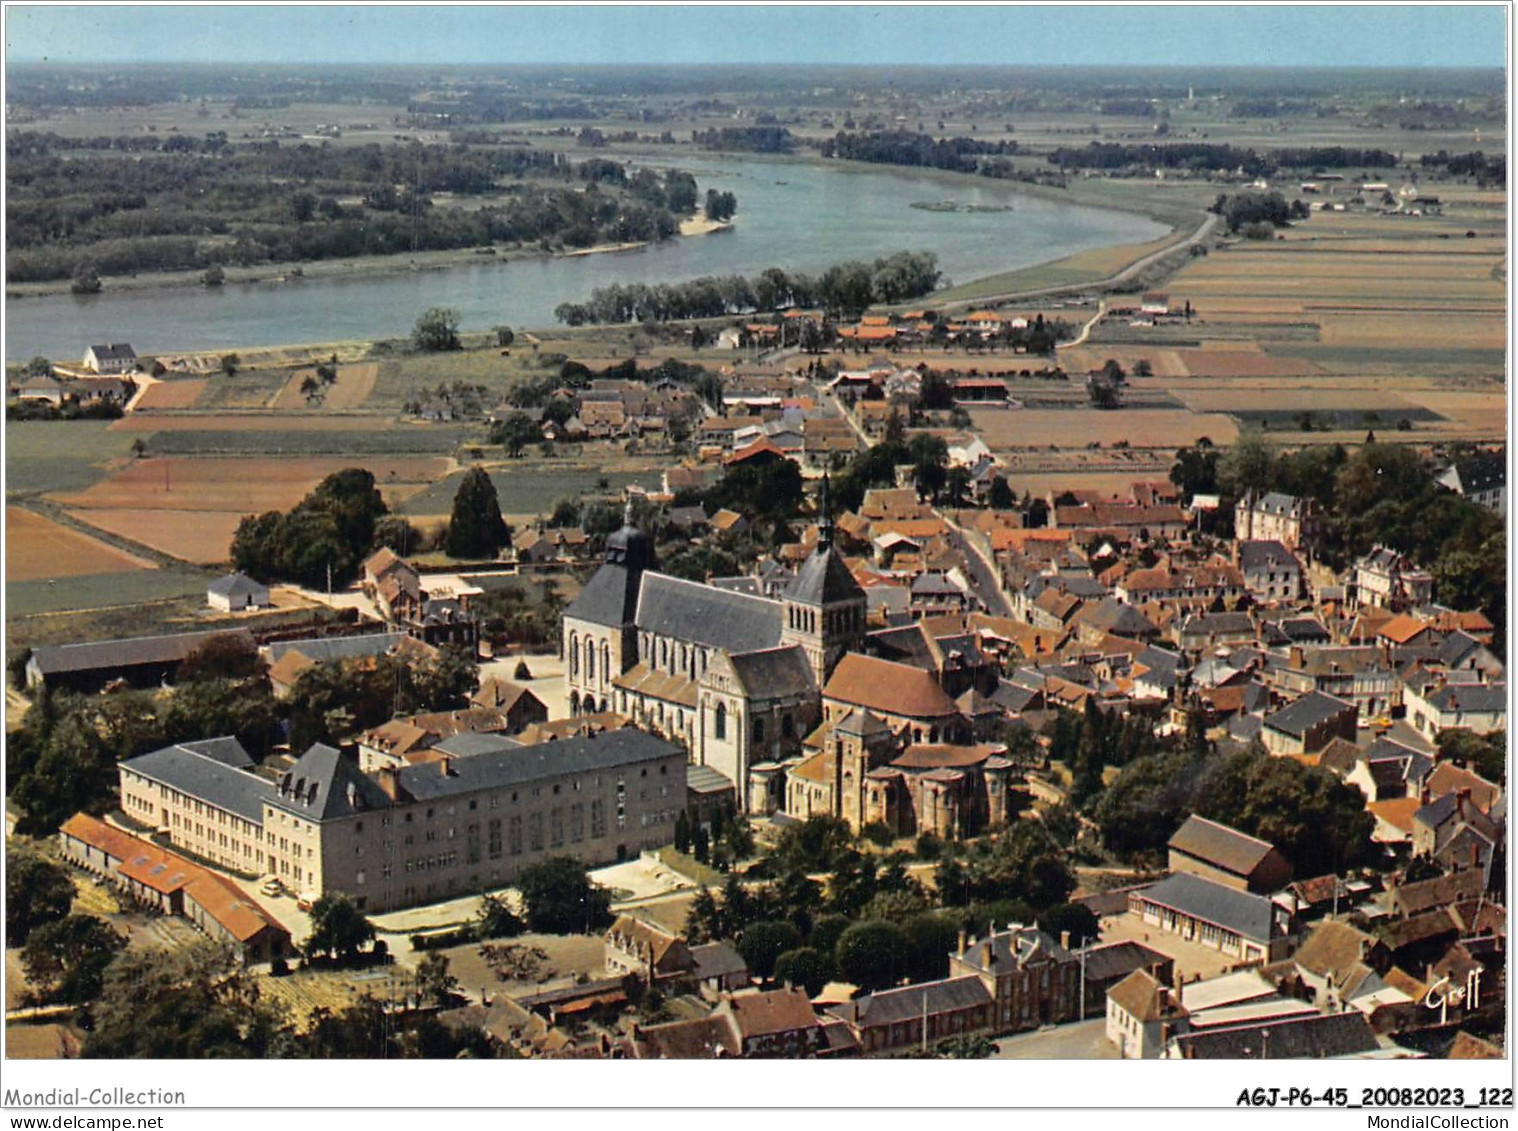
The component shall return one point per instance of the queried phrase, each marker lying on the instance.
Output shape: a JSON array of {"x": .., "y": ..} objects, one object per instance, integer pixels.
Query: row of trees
[
  {"x": 958, "y": 154},
  {"x": 1204, "y": 157},
  {"x": 844, "y": 290},
  {"x": 1245, "y": 209}
]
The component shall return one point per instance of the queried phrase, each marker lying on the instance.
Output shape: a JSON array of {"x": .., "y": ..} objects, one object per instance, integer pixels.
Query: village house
[
  {"x": 1481, "y": 479},
  {"x": 1272, "y": 574},
  {"x": 1275, "y": 517},
  {"x": 1306, "y": 725},
  {"x": 1386, "y": 579},
  {"x": 112, "y": 359},
  {"x": 1224, "y": 855},
  {"x": 1479, "y": 708}
]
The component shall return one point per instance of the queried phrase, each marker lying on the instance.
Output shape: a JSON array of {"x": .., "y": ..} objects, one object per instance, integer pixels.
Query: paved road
[
  {"x": 982, "y": 573},
  {"x": 1084, "y": 1040},
  {"x": 1121, "y": 277}
]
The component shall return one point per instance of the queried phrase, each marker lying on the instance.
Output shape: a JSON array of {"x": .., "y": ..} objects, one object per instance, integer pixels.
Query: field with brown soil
[
  {"x": 37, "y": 547},
  {"x": 1310, "y": 397},
  {"x": 1078, "y": 427},
  {"x": 172, "y": 394},
  {"x": 1241, "y": 363},
  {"x": 198, "y": 537},
  {"x": 352, "y": 389},
  {"x": 245, "y": 485}
]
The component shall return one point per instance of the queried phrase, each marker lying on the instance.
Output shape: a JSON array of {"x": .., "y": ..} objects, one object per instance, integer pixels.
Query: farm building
[
  {"x": 237, "y": 591},
  {"x": 142, "y": 661},
  {"x": 175, "y": 886}
]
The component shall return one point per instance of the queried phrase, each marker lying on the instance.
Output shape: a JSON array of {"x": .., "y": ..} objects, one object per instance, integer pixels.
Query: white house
[
  {"x": 116, "y": 358},
  {"x": 237, "y": 591}
]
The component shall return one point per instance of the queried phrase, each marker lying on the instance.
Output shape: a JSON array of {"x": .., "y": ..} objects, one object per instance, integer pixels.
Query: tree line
[
  {"x": 1486, "y": 170},
  {"x": 844, "y": 290},
  {"x": 1204, "y": 157},
  {"x": 75, "y": 209},
  {"x": 745, "y": 139},
  {"x": 957, "y": 154}
]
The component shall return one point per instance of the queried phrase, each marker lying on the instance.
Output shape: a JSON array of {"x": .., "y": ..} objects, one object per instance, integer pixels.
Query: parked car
[{"x": 272, "y": 886}]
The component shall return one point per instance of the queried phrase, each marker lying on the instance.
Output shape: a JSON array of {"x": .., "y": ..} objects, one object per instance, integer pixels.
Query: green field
[
  {"x": 410, "y": 440},
  {"x": 100, "y": 590},
  {"x": 58, "y": 455},
  {"x": 533, "y": 488}
]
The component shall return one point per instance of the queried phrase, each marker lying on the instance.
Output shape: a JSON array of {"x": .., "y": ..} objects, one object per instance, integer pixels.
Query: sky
[{"x": 1245, "y": 35}]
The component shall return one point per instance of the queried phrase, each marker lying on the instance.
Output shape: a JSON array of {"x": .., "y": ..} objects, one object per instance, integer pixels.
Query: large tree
[
  {"x": 37, "y": 892},
  {"x": 338, "y": 928},
  {"x": 560, "y": 898},
  {"x": 872, "y": 954},
  {"x": 66, "y": 960},
  {"x": 476, "y": 528},
  {"x": 437, "y": 329}
]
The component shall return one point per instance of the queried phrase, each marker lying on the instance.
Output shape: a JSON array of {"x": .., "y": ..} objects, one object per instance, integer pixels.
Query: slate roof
[
  {"x": 1248, "y": 916},
  {"x": 1298, "y": 717},
  {"x": 1267, "y": 556},
  {"x": 700, "y": 614},
  {"x": 324, "y": 649},
  {"x": 116, "y": 351},
  {"x": 236, "y": 585},
  {"x": 824, "y": 579},
  {"x": 1225, "y": 847},
  {"x": 1482, "y": 472},
  {"x": 907, "y": 644},
  {"x": 228, "y": 751},
  {"x": 322, "y": 785},
  {"x": 55, "y": 659},
  {"x": 775, "y": 672},
  {"x": 514, "y": 763},
  {"x": 1480, "y": 698},
  {"x": 907, "y": 1003},
  {"x": 208, "y": 777},
  {"x": 717, "y": 960},
  {"x": 1104, "y": 963},
  {"x": 1313, "y": 1036}
]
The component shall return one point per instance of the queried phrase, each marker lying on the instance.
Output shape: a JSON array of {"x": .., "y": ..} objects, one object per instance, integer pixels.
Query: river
[{"x": 802, "y": 216}]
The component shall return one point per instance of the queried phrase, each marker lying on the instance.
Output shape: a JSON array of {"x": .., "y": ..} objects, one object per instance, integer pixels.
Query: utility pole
[{"x": 924, "y": 1020}]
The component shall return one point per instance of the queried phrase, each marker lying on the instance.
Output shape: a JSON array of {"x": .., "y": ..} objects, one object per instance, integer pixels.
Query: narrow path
[{"x": 1101, "y": 308}]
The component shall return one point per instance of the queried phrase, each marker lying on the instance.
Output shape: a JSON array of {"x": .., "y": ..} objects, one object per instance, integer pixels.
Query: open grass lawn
[{"x": 62, "y": 455}]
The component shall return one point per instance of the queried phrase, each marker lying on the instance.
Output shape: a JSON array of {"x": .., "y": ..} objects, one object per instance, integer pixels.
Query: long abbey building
[
  {"x": 738, "y": 678},
  {"x": 790, "y": 699}
]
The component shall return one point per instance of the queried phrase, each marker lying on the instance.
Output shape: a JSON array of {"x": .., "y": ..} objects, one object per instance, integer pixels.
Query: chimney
[
  {"x": 985, "y": 955},
  {"x": 389, "y": 780},
  {"x": 1297, "y": 658},
  {"x": 445, "y": 765},
  {"x": 1462, "y": 797},
  {"x": 1423, "y": 795},
  {"x": 1064, "y": 940},
  {"x": 961, "y": 950}
]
